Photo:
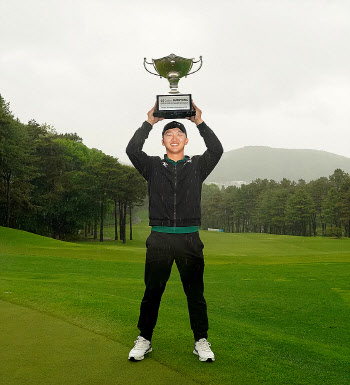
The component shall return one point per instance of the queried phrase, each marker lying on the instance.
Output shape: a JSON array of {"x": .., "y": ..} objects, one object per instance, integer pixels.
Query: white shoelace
[
  {"x": 204, "y": 345},
  {"x": 141, "y": 344}
]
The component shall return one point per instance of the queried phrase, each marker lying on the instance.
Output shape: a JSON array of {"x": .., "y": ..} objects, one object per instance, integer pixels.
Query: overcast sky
[{"x": 275, "y": 73}]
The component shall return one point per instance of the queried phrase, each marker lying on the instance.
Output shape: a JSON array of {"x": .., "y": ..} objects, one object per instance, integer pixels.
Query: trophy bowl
[{"x": 173, "y": 68}]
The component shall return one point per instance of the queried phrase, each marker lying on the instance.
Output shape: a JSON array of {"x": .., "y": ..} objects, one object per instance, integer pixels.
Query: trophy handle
[
  {"x": 144, "y": 64},
  {"x": 200, "y": 60}
]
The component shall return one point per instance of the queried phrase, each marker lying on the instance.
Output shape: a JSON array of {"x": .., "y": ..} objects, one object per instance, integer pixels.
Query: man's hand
[
  {"x": 198, "y": 117},
  {"x": 152, "y": 119}
]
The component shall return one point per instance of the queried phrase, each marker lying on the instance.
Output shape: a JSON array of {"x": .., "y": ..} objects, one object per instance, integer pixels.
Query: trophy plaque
[{"x": 173, "y": 68}]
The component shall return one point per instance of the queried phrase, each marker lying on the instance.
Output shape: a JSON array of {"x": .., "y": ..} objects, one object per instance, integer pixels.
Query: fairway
[{"x": 278, "y": 311}]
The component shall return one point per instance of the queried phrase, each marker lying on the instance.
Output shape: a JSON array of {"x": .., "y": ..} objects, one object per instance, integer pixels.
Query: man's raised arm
[
  {"x": 138, "y": 158},
  {"x": 212, "y": 155}
]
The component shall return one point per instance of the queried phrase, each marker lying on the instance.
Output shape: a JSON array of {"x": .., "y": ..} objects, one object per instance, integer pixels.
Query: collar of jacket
[{"x": 173, "y": 161}]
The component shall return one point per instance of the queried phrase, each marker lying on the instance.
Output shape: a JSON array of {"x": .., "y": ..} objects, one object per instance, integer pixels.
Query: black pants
[{"x": 187, "y": 252}]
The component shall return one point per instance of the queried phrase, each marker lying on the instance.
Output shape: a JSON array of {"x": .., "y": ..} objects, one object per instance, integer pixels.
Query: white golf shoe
[
  {"x": 142, "y": 347},
  {"x": 203, "y": 351}
]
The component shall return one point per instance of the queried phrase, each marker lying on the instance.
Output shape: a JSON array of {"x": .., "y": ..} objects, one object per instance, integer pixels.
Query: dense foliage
[
  {"x": 52, "y": 184},
  {"x": 320, "y": 207}
]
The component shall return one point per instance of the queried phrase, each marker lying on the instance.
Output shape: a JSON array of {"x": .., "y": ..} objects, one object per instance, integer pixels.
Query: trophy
[{"x": 173, "y": 68}]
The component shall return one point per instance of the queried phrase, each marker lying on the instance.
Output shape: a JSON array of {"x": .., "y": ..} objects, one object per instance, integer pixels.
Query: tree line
[
  {"x": 319, "y": 207},
  {"x": 54, "y": 185}
]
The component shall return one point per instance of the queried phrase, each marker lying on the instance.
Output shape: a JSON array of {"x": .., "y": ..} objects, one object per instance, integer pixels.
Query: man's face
[{"x": 174, "y": 140}]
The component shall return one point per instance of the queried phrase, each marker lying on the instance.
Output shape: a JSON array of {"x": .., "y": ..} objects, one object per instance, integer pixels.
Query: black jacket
[{"x": 174, "y": 190}]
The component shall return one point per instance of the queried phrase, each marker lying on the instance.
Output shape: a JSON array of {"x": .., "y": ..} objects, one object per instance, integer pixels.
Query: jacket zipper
[{"x": 175, "y": 184}]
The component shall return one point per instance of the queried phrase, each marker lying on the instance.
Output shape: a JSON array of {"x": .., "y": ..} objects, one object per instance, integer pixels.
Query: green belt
[{"x": 175, "y": 230}]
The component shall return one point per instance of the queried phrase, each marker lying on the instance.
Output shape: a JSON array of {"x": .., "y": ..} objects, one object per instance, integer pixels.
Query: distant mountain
[{"x": 252, "y": 162}]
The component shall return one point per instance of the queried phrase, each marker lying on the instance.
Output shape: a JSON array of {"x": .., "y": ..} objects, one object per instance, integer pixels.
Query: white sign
[{"x": 174, "y": 102}]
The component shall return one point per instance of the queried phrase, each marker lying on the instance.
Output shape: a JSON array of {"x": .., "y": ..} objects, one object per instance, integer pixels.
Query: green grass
[
  {"x": 41, "y": 349},
  {"x": 278, "y": 305}
]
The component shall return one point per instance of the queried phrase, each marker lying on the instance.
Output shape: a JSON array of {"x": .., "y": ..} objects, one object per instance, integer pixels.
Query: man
[{"x": 174, "y": 186}]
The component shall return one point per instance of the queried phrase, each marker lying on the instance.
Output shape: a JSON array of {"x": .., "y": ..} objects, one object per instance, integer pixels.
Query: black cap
[{"x": 174, "y": 124}]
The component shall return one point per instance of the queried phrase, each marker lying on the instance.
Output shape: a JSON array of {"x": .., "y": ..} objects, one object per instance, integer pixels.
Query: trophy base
[
  {"x": 174, "y": 106},
  {"x": 174, "y": 114}
]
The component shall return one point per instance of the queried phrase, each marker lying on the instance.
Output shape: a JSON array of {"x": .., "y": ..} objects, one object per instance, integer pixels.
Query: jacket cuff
[
  {"x": 147, "y": 125},
  {"x": 201, "y": 125}
]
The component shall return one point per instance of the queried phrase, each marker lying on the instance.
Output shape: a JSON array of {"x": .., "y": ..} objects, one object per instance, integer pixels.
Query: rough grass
[{"x": 278, "y": 305}]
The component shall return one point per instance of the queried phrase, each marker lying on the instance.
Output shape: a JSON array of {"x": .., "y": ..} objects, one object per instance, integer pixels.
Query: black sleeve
[
  {"x": 212, "y": 155},
  {"x": 140, "y": 159}
]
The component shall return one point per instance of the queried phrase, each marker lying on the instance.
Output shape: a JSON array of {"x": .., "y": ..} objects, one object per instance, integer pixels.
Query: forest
[
  {"x": 54, "y": 185},
  {"x": 319, "y": 207}
]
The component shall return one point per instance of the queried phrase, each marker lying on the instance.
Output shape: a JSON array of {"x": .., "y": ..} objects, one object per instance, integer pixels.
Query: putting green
[{"x": 40, "y": 349}]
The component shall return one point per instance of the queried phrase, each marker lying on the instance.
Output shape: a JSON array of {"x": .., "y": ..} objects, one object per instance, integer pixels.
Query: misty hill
[{"x": 252, "y": 162}]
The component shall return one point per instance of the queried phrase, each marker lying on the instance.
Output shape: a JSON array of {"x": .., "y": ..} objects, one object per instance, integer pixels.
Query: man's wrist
[
  {"x": 151, "y": 123},
  {"x": 199, "y": 121}
]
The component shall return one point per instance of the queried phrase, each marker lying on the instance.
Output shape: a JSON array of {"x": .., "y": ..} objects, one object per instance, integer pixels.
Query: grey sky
[{"x": 275, "y": 73}]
